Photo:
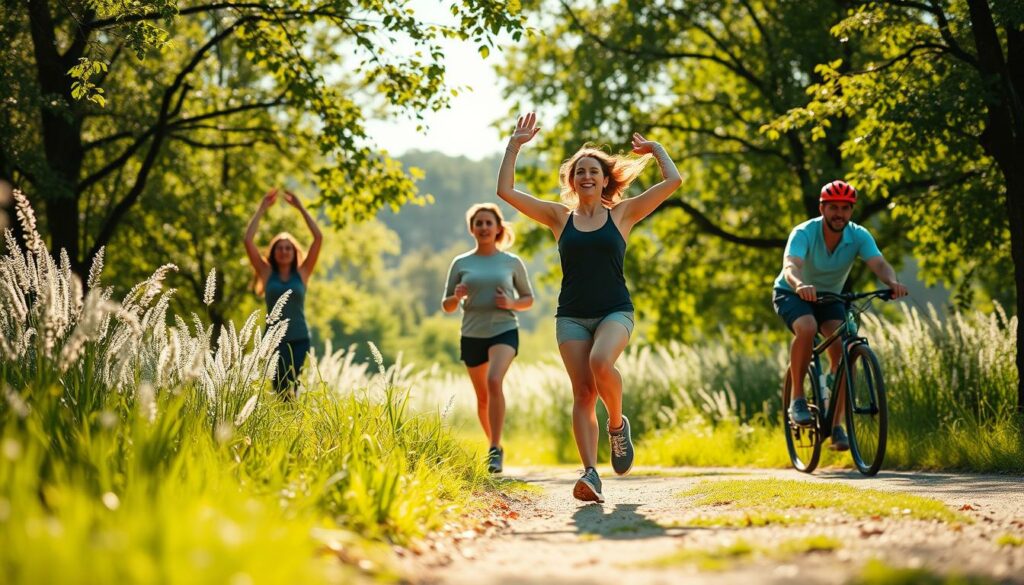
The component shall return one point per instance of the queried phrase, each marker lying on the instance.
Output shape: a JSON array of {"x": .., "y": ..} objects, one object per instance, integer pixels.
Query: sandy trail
[{"x": 557, "y": 539}]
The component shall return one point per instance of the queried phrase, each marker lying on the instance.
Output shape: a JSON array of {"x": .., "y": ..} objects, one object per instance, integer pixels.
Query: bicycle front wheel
[
  {"x": 867, "y": 416},
  {"x": 804, "y": 443}
]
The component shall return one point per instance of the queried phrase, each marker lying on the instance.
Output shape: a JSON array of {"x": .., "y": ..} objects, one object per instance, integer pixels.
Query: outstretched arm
[
  {"x": 637, "y": 208},
  {"x": 257, "y": 261},
  {"x": 885, "y": 272},
  {"x": 314, "y": 250},
  {"x": 548, "y": 213}
]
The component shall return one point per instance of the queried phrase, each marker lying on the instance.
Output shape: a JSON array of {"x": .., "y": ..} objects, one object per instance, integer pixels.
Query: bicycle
[{"x": 867, "y": 416}]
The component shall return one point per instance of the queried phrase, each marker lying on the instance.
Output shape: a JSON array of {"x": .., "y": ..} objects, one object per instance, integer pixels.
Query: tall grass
[
  {"x": 951, "y": 385},
  {"x": 135, "y": 451}
]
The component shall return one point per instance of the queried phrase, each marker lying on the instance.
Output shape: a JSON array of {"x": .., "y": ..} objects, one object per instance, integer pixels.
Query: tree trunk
[
  {"x": 1003, "y": 139},
  {"x": 62, "y": 133},
  {"x": 1015, "y": 205}
]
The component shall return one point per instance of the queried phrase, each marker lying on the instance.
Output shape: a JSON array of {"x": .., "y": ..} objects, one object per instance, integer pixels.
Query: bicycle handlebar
[{"x": 825, "y": 296}]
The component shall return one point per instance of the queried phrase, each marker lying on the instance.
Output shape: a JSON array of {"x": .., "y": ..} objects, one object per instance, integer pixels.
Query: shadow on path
[{"x": 621, "y": 522}]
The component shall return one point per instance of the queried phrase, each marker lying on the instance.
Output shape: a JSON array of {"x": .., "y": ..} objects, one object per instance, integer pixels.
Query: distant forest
[{"x": 456, "y": 183}]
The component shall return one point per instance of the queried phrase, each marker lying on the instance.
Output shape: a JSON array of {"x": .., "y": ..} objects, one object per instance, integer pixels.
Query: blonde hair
[
  {"x": 620, "y": 169},
  {"x": 258, "y": 284},
  {"x": 506, "y": 236}
]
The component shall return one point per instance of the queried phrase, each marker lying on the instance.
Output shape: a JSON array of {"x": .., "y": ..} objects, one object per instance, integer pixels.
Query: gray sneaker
[
  {"x": 588, "y": 487},
  {"x": 800, "y": 414},
  {"x": 622, "y": 448},
  {"x": 495, "y": 457}
]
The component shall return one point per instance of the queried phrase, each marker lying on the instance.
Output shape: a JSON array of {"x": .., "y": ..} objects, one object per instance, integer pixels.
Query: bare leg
[
  {"x": 576, "y": 355},
  {"x": 800, "y": 352},
  {"x": 610, "y": 340},
  {"x": 499, "y": 359},
  {"x": 478, "y": 375}
]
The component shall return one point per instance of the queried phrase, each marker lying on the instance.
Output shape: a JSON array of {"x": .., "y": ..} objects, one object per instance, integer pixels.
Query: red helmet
[{"x": 838, "y": 191}]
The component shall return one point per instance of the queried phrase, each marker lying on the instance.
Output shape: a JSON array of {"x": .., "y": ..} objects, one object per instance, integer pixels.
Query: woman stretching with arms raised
[{"x": 595, "y": 313}]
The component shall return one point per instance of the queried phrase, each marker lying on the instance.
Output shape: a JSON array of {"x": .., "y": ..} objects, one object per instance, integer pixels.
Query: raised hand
[
  {"x": 641, "y": 145},
  {"x": 526, "y": 129},
  {"x": 269, "y": 199},
  {"x": 293, "y": 200}
]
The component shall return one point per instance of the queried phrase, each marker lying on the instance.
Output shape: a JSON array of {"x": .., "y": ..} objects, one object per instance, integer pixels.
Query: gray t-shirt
[{"x": 484, "y": 275}]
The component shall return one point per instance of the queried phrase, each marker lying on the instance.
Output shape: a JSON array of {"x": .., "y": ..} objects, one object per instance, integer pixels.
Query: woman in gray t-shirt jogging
[{"x": 490, "y": 285}]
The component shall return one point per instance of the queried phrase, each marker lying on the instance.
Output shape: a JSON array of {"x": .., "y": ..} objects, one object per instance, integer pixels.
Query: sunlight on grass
[
  {"x": 716, "y": 402},
  {"x": 1009, "y": 540},
  {"x": 788, "y": 494},
  {"x": 684, "y": 473},
  {"x": 747, "y": 519},
  {"x": 139, "y": 447},
  {"x": 740, "y": 550},
  {"x": 879, "y": 573},
  {"x": 515, "y": 487}
]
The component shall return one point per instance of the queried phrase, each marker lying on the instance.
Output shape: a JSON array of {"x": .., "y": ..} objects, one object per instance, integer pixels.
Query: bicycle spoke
[
  {"x": 867, "y": 415},
  {"x": 804, "y": 443}
]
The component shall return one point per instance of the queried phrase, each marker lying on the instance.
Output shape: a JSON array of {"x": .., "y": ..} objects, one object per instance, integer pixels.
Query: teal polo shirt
[{"x": 827, "y": 271}]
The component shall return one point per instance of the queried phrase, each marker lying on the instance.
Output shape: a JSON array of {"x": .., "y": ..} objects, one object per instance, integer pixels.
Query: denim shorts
[
  {"x": 474, "y": 350},
  {"x": 583, "y": 328},
  {"x": 791, "y": 307}
]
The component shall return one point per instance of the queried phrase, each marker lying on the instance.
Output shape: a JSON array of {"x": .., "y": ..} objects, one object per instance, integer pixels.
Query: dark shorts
[
  {"x": 474, "y": 349},
  {"x": 791, "y": 307},
  {"x": 291, "y": 356}
]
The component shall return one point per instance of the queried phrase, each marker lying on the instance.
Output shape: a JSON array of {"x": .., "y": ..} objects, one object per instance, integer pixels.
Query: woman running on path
[
  {"x": 284, "y": 269},
  {"x": 595, "y": 313},
  {"x": 482, "y": 281}
]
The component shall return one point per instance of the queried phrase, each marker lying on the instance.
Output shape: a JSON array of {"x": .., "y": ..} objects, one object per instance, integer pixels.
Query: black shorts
[
  {"x": 474, "y": 349},
  {"x": 791, "y": 307}
]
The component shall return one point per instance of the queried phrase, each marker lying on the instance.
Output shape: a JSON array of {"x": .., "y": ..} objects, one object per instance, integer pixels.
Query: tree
[
  {"x": 87, "y": 123},
  {"x": 703, "y": 77},
  {"x": 947, "y": 90}
]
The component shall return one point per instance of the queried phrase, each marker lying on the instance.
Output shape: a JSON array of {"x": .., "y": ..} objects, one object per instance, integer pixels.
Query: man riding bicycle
[{"x": 819, "y": 255}]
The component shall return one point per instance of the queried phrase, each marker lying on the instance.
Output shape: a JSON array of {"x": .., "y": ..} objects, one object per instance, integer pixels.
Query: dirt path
[{"x": 556, "y": 539}]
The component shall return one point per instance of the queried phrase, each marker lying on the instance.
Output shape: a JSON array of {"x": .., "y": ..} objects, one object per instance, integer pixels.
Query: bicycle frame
[{"x": 846, "y": 334}]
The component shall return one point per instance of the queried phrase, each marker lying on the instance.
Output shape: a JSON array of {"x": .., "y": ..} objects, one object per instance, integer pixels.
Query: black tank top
[{"x": 592, "y": 281}]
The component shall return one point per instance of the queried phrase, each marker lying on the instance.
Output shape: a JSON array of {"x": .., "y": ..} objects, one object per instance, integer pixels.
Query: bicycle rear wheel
[
  {"x": 867, "y": 416},
  {"x": 804, "y": 443}
]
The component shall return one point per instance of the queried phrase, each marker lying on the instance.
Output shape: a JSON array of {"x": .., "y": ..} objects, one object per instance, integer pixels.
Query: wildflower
[
  {"x": 243, "y": 415},
  {"x": 211, "y": 287},
  {"x": 377, "y": 357},
  {"x": 147, "y": 401},
  {"x": 96, "y": 269},
  {"x": 275, "y": 313}
]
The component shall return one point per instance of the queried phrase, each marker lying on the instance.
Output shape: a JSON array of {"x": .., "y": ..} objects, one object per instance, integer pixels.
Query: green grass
[
  {"x": 137, "y": 447},
  {"x": 653, "y": 472},
  {"x": 1009, "y": 540},
  {"x": 740, "y": 550},
  {"x": 752, "y": 518},
  {"x": 951, "y": 383},
  {"x": 778, "y": 494},
  {"x": 879, "y": 573}
]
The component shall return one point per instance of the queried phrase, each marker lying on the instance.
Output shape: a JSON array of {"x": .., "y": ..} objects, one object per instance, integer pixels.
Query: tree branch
[
  {"x": 709, "y": 227},
  {"x": 725, "y": 137},
  {"x": 661, "y": 55},
  {"x": 158, "y": 131},
  {"x": 116, "y": 20},
  {"x": 211, "y": 145}
]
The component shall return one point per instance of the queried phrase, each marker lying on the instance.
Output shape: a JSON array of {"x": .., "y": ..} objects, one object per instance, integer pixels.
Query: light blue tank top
[{"x": 294, "y": 308}]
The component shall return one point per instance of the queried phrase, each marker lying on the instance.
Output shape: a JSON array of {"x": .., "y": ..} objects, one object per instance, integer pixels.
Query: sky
[{"x": 465, "y": 128}]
